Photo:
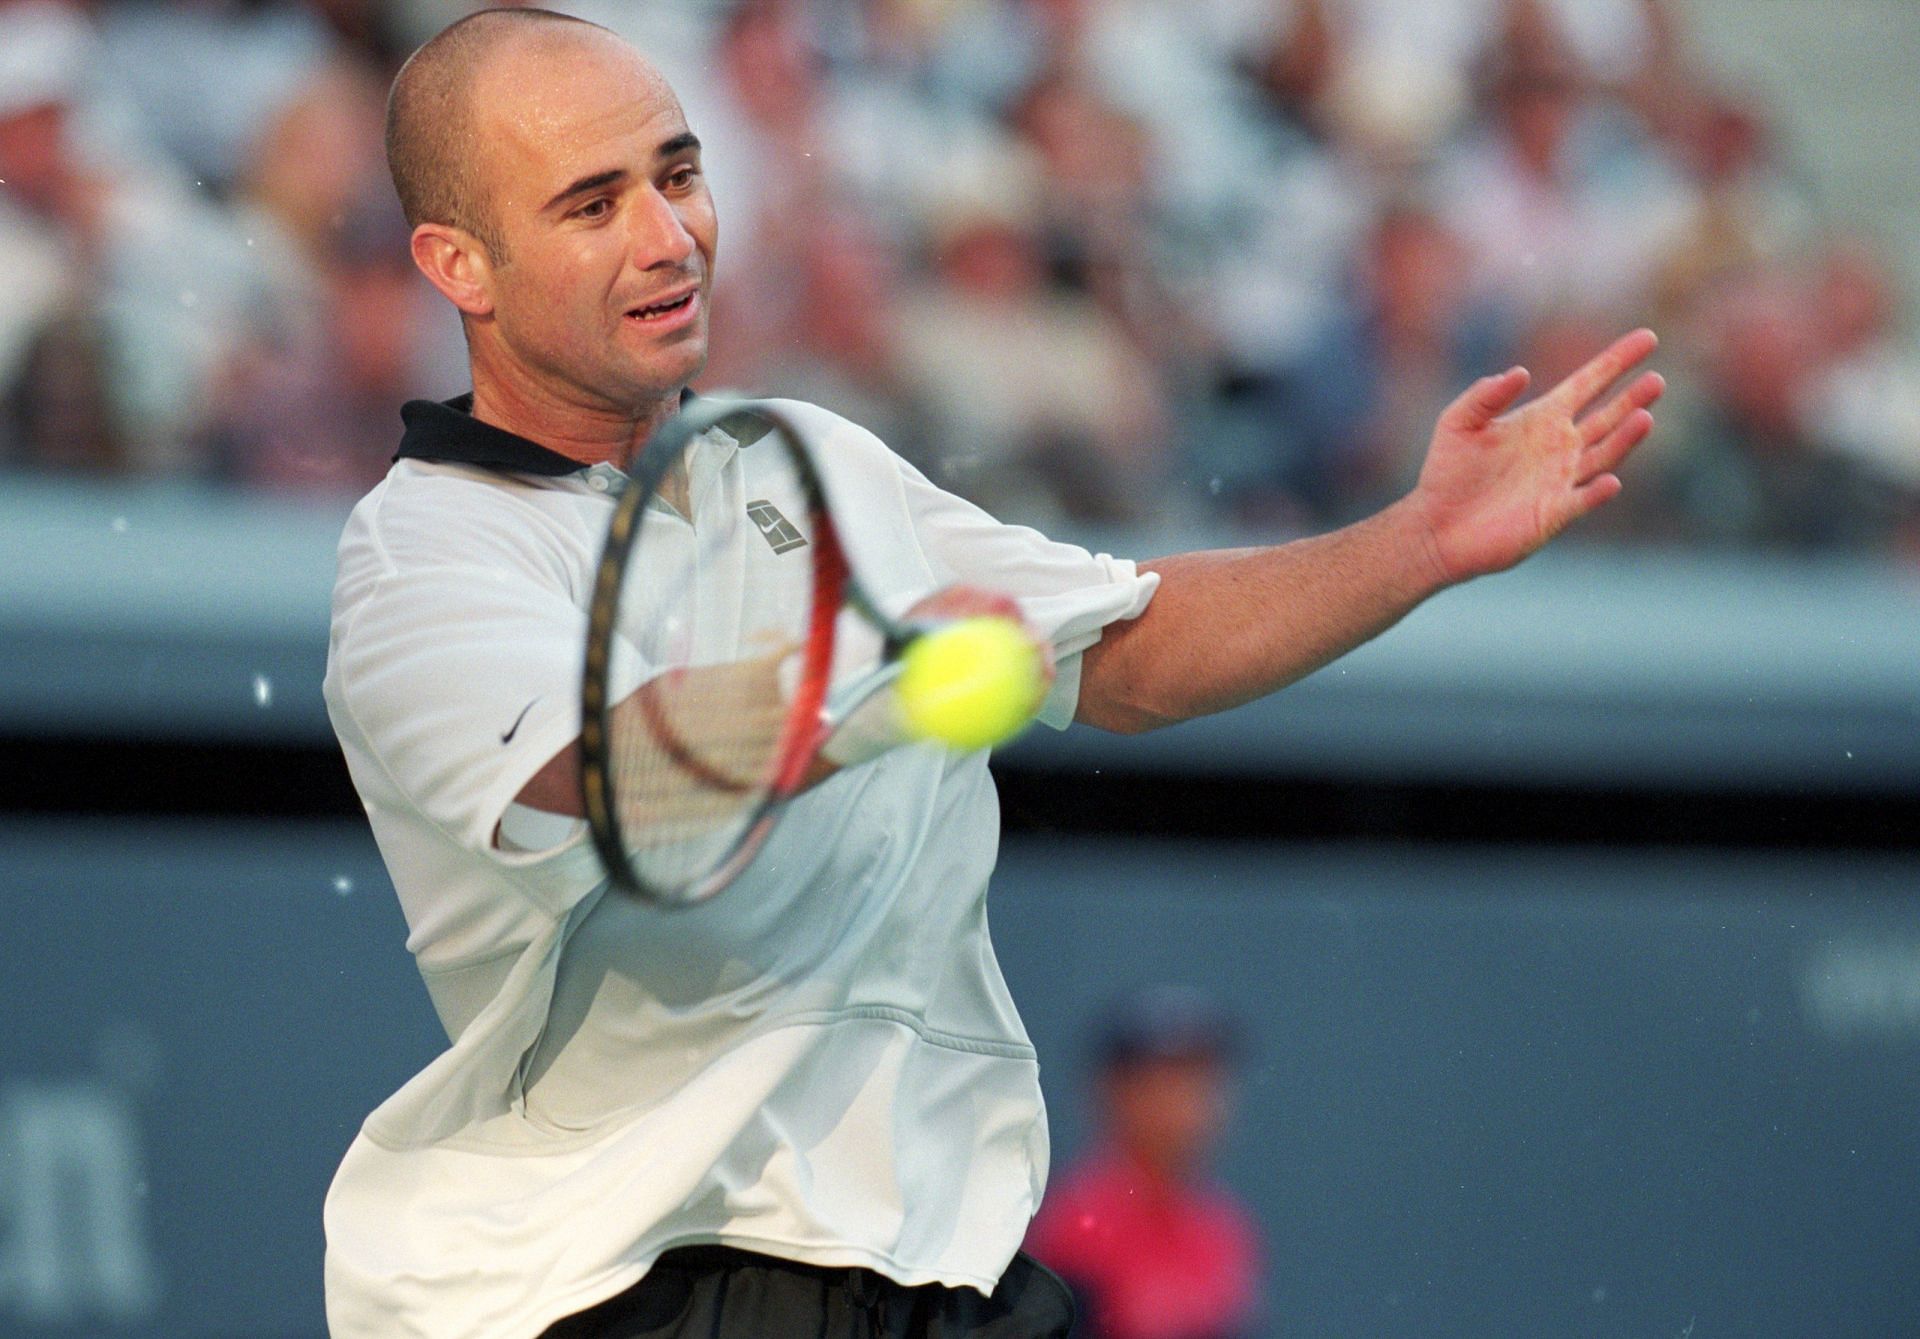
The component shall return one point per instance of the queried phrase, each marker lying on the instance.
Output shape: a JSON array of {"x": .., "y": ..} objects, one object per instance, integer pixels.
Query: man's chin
[{"x": 640, "y": 390}]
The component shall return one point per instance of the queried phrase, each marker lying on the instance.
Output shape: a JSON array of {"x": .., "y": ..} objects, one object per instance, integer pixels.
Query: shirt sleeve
[
  {"x": 455, "y": 669},
  {"x": 1066, "y": 592}
]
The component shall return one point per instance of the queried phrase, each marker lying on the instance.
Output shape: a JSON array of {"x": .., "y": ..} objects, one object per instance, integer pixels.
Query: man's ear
[{"x": 456, "y": 263}]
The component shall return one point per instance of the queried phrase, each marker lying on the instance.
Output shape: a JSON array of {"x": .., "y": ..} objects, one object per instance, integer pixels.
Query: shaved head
[
  {"x": 525, "y": 132},
  {"x": 432, "y": 144}
]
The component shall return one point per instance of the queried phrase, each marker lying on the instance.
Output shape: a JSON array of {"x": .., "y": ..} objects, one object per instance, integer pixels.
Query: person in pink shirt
[{"x": 1151, "y": 1245}]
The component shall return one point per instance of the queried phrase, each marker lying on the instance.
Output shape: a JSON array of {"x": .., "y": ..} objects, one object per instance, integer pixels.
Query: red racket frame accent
[
  {"x": 806, "y": 728},
  {"x": 803, "y": 728}
]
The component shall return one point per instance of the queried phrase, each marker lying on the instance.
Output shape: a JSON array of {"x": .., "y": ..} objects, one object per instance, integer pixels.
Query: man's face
[{"x": 594, "y": 186}]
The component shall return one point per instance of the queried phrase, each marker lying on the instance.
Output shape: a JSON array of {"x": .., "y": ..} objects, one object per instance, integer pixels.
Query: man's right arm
[{"x": 752, "y": 693}]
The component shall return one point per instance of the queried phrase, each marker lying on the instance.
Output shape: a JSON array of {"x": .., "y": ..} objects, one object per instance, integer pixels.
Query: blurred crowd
[{"x": 1082, "y": 260}]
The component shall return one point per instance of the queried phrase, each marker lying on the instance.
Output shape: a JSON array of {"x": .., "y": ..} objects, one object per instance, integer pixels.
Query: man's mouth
[{"x": 660, "y": 311}]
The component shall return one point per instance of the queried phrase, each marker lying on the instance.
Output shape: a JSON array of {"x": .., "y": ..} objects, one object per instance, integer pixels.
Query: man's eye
[
  {"x": 682, "y": 177},
  {"x": 593, "y": 209}
]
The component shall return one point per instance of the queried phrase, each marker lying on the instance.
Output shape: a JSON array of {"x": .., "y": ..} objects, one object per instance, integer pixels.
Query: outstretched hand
[{"x": 1499, "y": 482}]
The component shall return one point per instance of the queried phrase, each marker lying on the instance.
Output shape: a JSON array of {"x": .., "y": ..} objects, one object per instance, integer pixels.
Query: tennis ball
[{"x": 971, "y": 684}]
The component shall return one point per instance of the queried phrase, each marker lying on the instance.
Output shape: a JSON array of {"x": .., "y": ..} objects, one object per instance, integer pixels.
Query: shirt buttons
[{"x": 605, "y": 478}]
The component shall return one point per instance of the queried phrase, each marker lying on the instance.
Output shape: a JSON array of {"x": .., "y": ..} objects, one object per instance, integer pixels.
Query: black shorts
[{"x": 718, "y": 1292}]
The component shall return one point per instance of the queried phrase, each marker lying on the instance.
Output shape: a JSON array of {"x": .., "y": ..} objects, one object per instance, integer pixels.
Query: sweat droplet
[{"x": 262, "y": 691}]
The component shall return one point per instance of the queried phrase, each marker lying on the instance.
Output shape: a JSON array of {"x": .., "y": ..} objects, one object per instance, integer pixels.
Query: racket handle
[{"x": 863, "y": 720}]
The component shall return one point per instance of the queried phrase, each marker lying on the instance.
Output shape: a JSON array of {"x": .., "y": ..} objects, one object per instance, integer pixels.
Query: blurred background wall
[{"x": 1570, "y": 927}]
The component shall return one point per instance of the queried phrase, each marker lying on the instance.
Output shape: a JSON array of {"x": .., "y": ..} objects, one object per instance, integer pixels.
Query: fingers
[
  {"x": 1485, "y": 400},
  {"x": 1646, "y": 389},
  {"x": 954, "y": 602},
  {"x": 1610, "y": 451},
  {"x": 1595, "y": 492},
  {"x": 1584, "y": 386}
]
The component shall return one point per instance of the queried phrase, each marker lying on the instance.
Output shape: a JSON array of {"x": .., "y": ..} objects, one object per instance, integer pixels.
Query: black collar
[{"x": 450, "y": 432}]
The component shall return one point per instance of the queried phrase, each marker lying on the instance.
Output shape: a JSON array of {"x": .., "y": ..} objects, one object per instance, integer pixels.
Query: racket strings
[
  {"x": 696, "y": 747},
  {"x": 725, "y": 604}
]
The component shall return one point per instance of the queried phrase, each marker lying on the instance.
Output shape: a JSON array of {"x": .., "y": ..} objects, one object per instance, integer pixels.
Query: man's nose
[{"x": 657, "y": 235}]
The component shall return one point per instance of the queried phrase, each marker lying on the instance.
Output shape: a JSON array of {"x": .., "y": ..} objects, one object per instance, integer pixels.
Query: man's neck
[{"x": 589, "y": 434}]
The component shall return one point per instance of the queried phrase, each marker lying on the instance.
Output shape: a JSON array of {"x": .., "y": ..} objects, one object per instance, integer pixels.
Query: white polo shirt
[{"x": 822, "y": 1063}]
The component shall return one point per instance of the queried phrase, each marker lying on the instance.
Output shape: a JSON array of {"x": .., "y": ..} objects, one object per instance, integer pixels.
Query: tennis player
[{"x": 806, "y": 1107}]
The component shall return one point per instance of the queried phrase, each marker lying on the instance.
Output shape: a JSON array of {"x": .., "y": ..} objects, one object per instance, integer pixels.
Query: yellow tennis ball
[{"x": 972, "y": 684}]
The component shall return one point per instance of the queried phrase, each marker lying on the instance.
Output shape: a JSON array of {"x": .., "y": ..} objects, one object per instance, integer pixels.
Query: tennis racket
[{"x": 723, "y": 652}]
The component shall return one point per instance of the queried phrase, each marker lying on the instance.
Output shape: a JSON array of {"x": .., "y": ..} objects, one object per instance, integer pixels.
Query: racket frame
[{"x": 811, "y": 713}]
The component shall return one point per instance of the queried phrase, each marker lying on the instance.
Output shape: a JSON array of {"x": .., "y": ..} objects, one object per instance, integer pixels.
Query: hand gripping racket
[{"x": 716, "y": 620}]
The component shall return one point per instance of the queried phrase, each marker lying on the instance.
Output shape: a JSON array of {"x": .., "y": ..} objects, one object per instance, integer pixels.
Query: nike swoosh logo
[{"x": 514, "y": 729}]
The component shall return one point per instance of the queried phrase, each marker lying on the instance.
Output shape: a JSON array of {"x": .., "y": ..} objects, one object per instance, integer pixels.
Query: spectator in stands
[
  {"x": 1745, "y": 215},
  {"x": 1152, "y": 1248},
  {"x": 313, "y": 160},
  {"x": 1036, "y": 400},
  {"x": 1196, "y": 253},
  {"x": 766, "y": 99},
  {"x": 908, "y": 85},
  {"x": 1297, "y": 64},
  {"x": 126, "y": 295},
  {"x": 978, "y": 56},
  {"x": 168, "y": 57},
  {"x": 1094, "y": 207},
  {"x": 53, "y": 352},
  {"x": 838, "y": 350},
  {"x": 1338, "y": 427},
  {"x": 1560, "y": 199},
  {"x": 352, "y": 329},
  {"x": 1865, "y": 392},
  {"x": 53, "y": 379},
  {"x": 312, "y": 411},
  {"x": 1755, "y": 468}
]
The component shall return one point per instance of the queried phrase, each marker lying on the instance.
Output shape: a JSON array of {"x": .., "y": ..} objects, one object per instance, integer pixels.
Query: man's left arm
[{"x": 1229, "y": 626}]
